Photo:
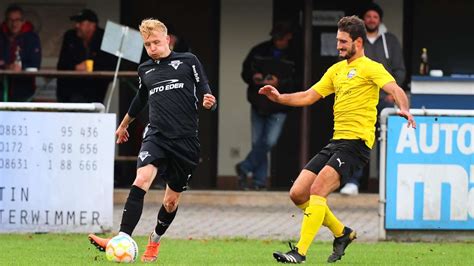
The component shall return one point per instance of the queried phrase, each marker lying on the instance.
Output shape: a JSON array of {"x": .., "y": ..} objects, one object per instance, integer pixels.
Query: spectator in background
[
  {"x": 20, "y": 49},
  {"x": 268, "y": 63},
  {"x": 382, "y": 47},
  {"x": 177, "y": 43},
  {"x": 80, "y": 44}
]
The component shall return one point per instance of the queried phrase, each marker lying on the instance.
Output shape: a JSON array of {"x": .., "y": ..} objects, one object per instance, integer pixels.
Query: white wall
[
  {"x": 393, "y": 16},
  {"x": 244, "y": 23}
]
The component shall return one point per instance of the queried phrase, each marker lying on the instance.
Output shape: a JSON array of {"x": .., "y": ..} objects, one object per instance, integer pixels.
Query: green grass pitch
[{"x": 74, "y": 249}]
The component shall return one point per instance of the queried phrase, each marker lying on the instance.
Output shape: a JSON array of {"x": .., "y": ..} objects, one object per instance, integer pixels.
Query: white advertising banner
[
  {"x": 56, "y": 171},
  {"x": 430, "y": 173}
]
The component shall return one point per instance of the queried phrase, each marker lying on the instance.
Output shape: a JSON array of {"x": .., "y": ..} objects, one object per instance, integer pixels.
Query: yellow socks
[
  {"x": 303, "y": 206},
  {"x": 312, "y": 221},
  {"x": 331, "y": 222}
]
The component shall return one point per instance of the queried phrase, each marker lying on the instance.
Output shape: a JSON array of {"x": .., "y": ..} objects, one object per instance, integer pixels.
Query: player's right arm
[
  {"x": 401, "y": 100},
  {"x": 302, "y": 98},
  {"x": 380, "y": 76},
  {"x": 138, "y": 103},
  {"x": 297, "y": 99},
  {"x": 121, "y": 132}
]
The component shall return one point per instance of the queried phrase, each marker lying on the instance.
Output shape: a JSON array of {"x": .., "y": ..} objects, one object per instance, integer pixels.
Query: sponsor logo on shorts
[{"x": 340, "y": 162}]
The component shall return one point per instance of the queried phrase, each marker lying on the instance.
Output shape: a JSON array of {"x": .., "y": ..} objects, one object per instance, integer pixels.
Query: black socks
[
  {"x": 164, "y": 220},
  {"x": 132, "y": 210}
]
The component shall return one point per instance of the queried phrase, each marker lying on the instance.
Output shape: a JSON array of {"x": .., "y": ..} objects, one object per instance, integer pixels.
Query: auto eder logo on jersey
[
  {"x": 175, "y": 64},
  {"x": 166, "y": 85},
  {"x": 351, "y": 73}
]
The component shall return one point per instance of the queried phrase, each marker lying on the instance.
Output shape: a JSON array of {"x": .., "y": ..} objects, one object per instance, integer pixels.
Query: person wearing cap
[
  {"x": 20, "y": 49},
  {"x": 80, "y": 44},
  {"x": 269, "y": 63},
  {"x": 383, "y": 47}
]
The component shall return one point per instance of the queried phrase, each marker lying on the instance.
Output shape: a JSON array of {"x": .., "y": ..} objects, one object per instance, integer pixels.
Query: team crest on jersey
[
  {"x": 175, "y": 64},
  {"x": 351, "y": 73},
  {"x": 143, "y": 155}
]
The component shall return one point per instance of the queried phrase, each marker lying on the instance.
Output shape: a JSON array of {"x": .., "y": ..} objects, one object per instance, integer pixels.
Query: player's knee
[
  {"x": 297, "y": 197},
  {"x": 142, "y": 181},
  {"x": 145, "y": 176},
  {"x": 320, "y": 189},
  {"x": 170, "y": 204}
]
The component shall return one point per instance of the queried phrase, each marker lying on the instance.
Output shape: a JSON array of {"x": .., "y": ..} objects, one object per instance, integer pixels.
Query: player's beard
[
  {"x": 349, "y": 53},
  {"x": 374, "y": 29}
]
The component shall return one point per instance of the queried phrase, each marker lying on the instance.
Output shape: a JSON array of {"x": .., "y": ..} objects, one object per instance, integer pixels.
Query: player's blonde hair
[{"x": 150, "y": 24}]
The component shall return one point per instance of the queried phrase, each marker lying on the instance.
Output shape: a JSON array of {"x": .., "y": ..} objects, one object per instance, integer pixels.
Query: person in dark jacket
[
  {"x": 268, "y": 63},
  {"x": 383, "y": 46},
  {"x": 80, "y": 44},
  {"x": 20, "y": 49}
]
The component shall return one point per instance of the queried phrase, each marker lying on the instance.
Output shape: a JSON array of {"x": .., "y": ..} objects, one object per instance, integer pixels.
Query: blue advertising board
[{"x": 430, "y": 173}]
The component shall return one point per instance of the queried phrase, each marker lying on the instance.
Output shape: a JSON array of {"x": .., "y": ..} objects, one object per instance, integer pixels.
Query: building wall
[
  {"x": 393, "y": 16},
  {"x": 244, "y": 23},
  {"x": 234, "y": 116}
]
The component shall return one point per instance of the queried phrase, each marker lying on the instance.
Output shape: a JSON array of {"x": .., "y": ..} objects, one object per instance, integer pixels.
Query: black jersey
[{"x": 171, "y": 87}]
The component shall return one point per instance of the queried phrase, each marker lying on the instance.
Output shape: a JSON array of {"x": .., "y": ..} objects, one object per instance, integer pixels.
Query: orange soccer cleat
[
  {"x": 99, "y": 242},
  {"x": 151, "y": 252}
]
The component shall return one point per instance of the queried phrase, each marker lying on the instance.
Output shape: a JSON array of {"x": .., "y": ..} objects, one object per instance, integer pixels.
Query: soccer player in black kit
[{"x": 170, "y": 83}]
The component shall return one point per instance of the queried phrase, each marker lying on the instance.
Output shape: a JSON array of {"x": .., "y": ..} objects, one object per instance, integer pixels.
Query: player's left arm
[
  {"x": 200, "y": 79},
  {"x": 401, "y": 100},
  {"x": 209, "y": 101}
]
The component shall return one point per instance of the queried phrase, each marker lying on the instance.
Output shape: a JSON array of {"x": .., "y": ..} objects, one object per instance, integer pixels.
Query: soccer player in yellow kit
[{"x": 355, "y": 81}]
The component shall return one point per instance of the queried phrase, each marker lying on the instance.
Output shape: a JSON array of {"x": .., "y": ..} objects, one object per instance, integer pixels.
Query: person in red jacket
[{"x": 20, "y": 49}]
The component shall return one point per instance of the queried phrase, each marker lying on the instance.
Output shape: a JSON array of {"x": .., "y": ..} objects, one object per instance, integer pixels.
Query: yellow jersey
[{"x": 356, "y": 87}]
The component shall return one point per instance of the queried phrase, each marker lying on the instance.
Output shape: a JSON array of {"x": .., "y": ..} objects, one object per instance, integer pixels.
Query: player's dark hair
[
  {"x": 14, "y": 8},
  {"x": 373, "y": 7},
  {"x": 354, "y": 26},
  {"x": 280, "y": 29}
]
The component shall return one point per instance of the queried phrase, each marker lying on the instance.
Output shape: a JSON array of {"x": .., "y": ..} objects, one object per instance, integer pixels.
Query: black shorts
[
  {"x": 176, "y": 159},
  {"x": 345, "y": 156}
]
